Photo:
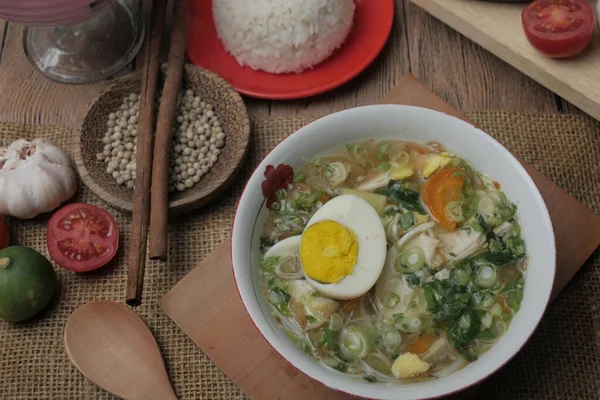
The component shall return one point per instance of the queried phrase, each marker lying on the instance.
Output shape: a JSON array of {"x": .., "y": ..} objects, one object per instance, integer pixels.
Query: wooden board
[
  {"x": 497, "y": 27},
  {"x": 205, "y": 304}
]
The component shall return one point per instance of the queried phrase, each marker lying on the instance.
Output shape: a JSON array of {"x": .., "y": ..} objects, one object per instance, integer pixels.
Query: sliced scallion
[
  {"x": 355, "y": 342},
  {"x": 413, "y": 258},
  {"x": 454, "y": 211},
  {"x": 461, "y": 277},
  {"x": 390, "y": 337},
  {"x": 382, "y": 150},
  {"x": 464, "y": 321},
  {"x": 391, "y": 299},
  {"x": 336, "y": 322},
  {"x": 497, "y": 310},
  {"x": 487, "y": 320},
  {"x": 317, "y": 337},
  {"x": 411, "y": 324},
  {"x": 486, "y": 276},
  {"x": 385, "y": 166}
]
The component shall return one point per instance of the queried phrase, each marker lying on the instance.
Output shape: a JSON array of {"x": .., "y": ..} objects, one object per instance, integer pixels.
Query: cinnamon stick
[
  {"x": 141, "y": 193},
  {"x": 164, "y": 130}
]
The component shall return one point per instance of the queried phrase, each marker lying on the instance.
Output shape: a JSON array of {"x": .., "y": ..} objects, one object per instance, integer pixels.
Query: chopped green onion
[
  {"x": 385, "y": 166},
  {"x": 407, "y": 220},
  {"x": 487, "y": 320},
  {"x": 488, "y": 300},
  {"x": 390, "y": 337},
  {"x": 486, "y": 276},
  {"x": 500, "y": 328},
  {"x": 514, "y": 298},
  {"x": 428, "y": 292},
  {"x": 310, "y": 319},
  {"x": 317, "y": 337},
  {"x": 298, "y": 177},
  {"x": 413, "y": 258},
  {"x": 336, "y": 322},
  {"x": 283, "y": 309},
  {"x": 391, "y": 299},
  {"x": 304, "y": 347},
  {"x": 382, "y": 149},
  {"x": 278, "y": 295},
  {"x": 460, "y": 276},
  {"x": 360, "y": 178},
  {"x": 355, "y": 342},
  {"x": 497, "y": 310},
  {"x": 506, "y": 316},
  {"x": 487, "y": 335},
  {"x": 329, "y": 170},
  {"x": 464, "y": 321},
  {"x": 454, "y": 211},
  {"x": 411, "y": 324},
  {"x": 370, "y": 378}
]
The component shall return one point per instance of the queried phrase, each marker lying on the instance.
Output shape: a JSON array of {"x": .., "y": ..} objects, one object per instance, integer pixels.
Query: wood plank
[
  {"x": 497, "y": 27},
  {"x": 2, "y": 29},
  {"x": 368, "y": 87},
  {"x": 465, "y": 74},
  {"x": 30, "y": 98}
]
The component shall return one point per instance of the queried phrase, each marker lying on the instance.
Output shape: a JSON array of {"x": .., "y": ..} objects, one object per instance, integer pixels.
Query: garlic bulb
[{"x": 35, "y": 177}]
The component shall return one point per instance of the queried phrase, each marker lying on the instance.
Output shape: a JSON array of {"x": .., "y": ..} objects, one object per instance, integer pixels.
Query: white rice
[{"x": 281, "y": 36}]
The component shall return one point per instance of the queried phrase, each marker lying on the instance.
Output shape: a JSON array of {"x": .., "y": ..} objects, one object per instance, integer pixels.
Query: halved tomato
[
  {"x": 559, "y": 28},
  {"x": 3, "y": 234},
  {"x": 82, "y": 237}
]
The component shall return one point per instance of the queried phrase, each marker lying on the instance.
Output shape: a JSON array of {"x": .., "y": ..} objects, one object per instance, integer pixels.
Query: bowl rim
[
  {"x": 516, "y": 163},
  {"x": 196, "y": 197}
]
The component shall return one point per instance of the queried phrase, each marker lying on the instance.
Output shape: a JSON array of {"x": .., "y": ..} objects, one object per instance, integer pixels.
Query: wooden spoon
[{"x": 114, "y": 348}]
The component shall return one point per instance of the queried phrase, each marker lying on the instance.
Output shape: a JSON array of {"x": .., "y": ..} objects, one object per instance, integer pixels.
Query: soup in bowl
[{"x": 393, "y": 251}]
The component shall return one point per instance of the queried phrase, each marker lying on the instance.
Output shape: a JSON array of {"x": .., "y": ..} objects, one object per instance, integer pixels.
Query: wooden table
[{"x": 463, "y": 73}]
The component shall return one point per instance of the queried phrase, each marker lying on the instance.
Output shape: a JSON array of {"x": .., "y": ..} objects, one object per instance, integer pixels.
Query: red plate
[{"x": 372, "y": 24}]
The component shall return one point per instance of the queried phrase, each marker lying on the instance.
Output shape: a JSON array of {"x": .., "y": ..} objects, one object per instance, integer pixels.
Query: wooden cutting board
[
  {"x": 497, "y": 27},
  {"x": 206, "y": 304}
]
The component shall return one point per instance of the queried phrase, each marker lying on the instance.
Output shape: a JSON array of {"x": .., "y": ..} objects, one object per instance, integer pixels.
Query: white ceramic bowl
[{"x": 418, "y": 125}]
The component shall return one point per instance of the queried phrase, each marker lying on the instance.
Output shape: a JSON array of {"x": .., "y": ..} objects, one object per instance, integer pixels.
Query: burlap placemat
[{"x": 561, "y": 361}]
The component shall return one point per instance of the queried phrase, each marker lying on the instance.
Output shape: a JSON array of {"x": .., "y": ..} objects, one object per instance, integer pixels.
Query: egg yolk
[{"x": 328, "y": 251}]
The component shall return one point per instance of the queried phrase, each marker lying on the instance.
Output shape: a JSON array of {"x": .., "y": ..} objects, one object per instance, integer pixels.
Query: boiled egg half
[{"x": 342, "y": 250}]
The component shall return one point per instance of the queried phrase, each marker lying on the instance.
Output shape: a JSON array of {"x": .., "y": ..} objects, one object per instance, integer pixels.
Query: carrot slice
[
  {"x": 423, "y": 343},
  {"x": 441, "y": 188}
]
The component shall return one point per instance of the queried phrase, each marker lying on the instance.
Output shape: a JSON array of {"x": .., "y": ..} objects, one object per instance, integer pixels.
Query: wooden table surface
[{"x": 466, "y": 75}]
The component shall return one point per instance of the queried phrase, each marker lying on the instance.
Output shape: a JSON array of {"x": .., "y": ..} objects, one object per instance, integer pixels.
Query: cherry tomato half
[
  {"x": 82, "y": 237},
  {"x": 559, "y": 28},
  {"x": 3, "y": 234}
]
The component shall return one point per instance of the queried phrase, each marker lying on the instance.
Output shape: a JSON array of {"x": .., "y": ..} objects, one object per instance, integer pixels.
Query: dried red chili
[{"x": 277, "y": 178}]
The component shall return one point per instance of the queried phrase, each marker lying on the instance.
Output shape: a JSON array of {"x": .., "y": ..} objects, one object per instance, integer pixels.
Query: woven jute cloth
[{"x": 561, "y": 361}]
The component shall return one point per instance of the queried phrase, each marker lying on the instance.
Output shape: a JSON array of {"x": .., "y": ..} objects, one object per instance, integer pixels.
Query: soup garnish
[{"x": 390, "y": 260}]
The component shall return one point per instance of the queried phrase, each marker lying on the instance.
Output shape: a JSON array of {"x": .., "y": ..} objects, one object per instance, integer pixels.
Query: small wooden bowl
[{"x": 230, "y": 110}]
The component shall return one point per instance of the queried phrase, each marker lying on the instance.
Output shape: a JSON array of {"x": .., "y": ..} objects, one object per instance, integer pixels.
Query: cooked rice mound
[{"x": 281, "y": 36}]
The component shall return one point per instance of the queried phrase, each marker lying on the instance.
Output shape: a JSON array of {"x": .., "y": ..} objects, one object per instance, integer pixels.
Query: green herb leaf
[
  {"x": 299, "y": 177},
  {"x": 412, "y": 279},
  {"x": 405, "y": 196}
]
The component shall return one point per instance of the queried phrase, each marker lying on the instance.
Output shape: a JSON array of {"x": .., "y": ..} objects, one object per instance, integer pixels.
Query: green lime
[{"x": 27, "y": 283}]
